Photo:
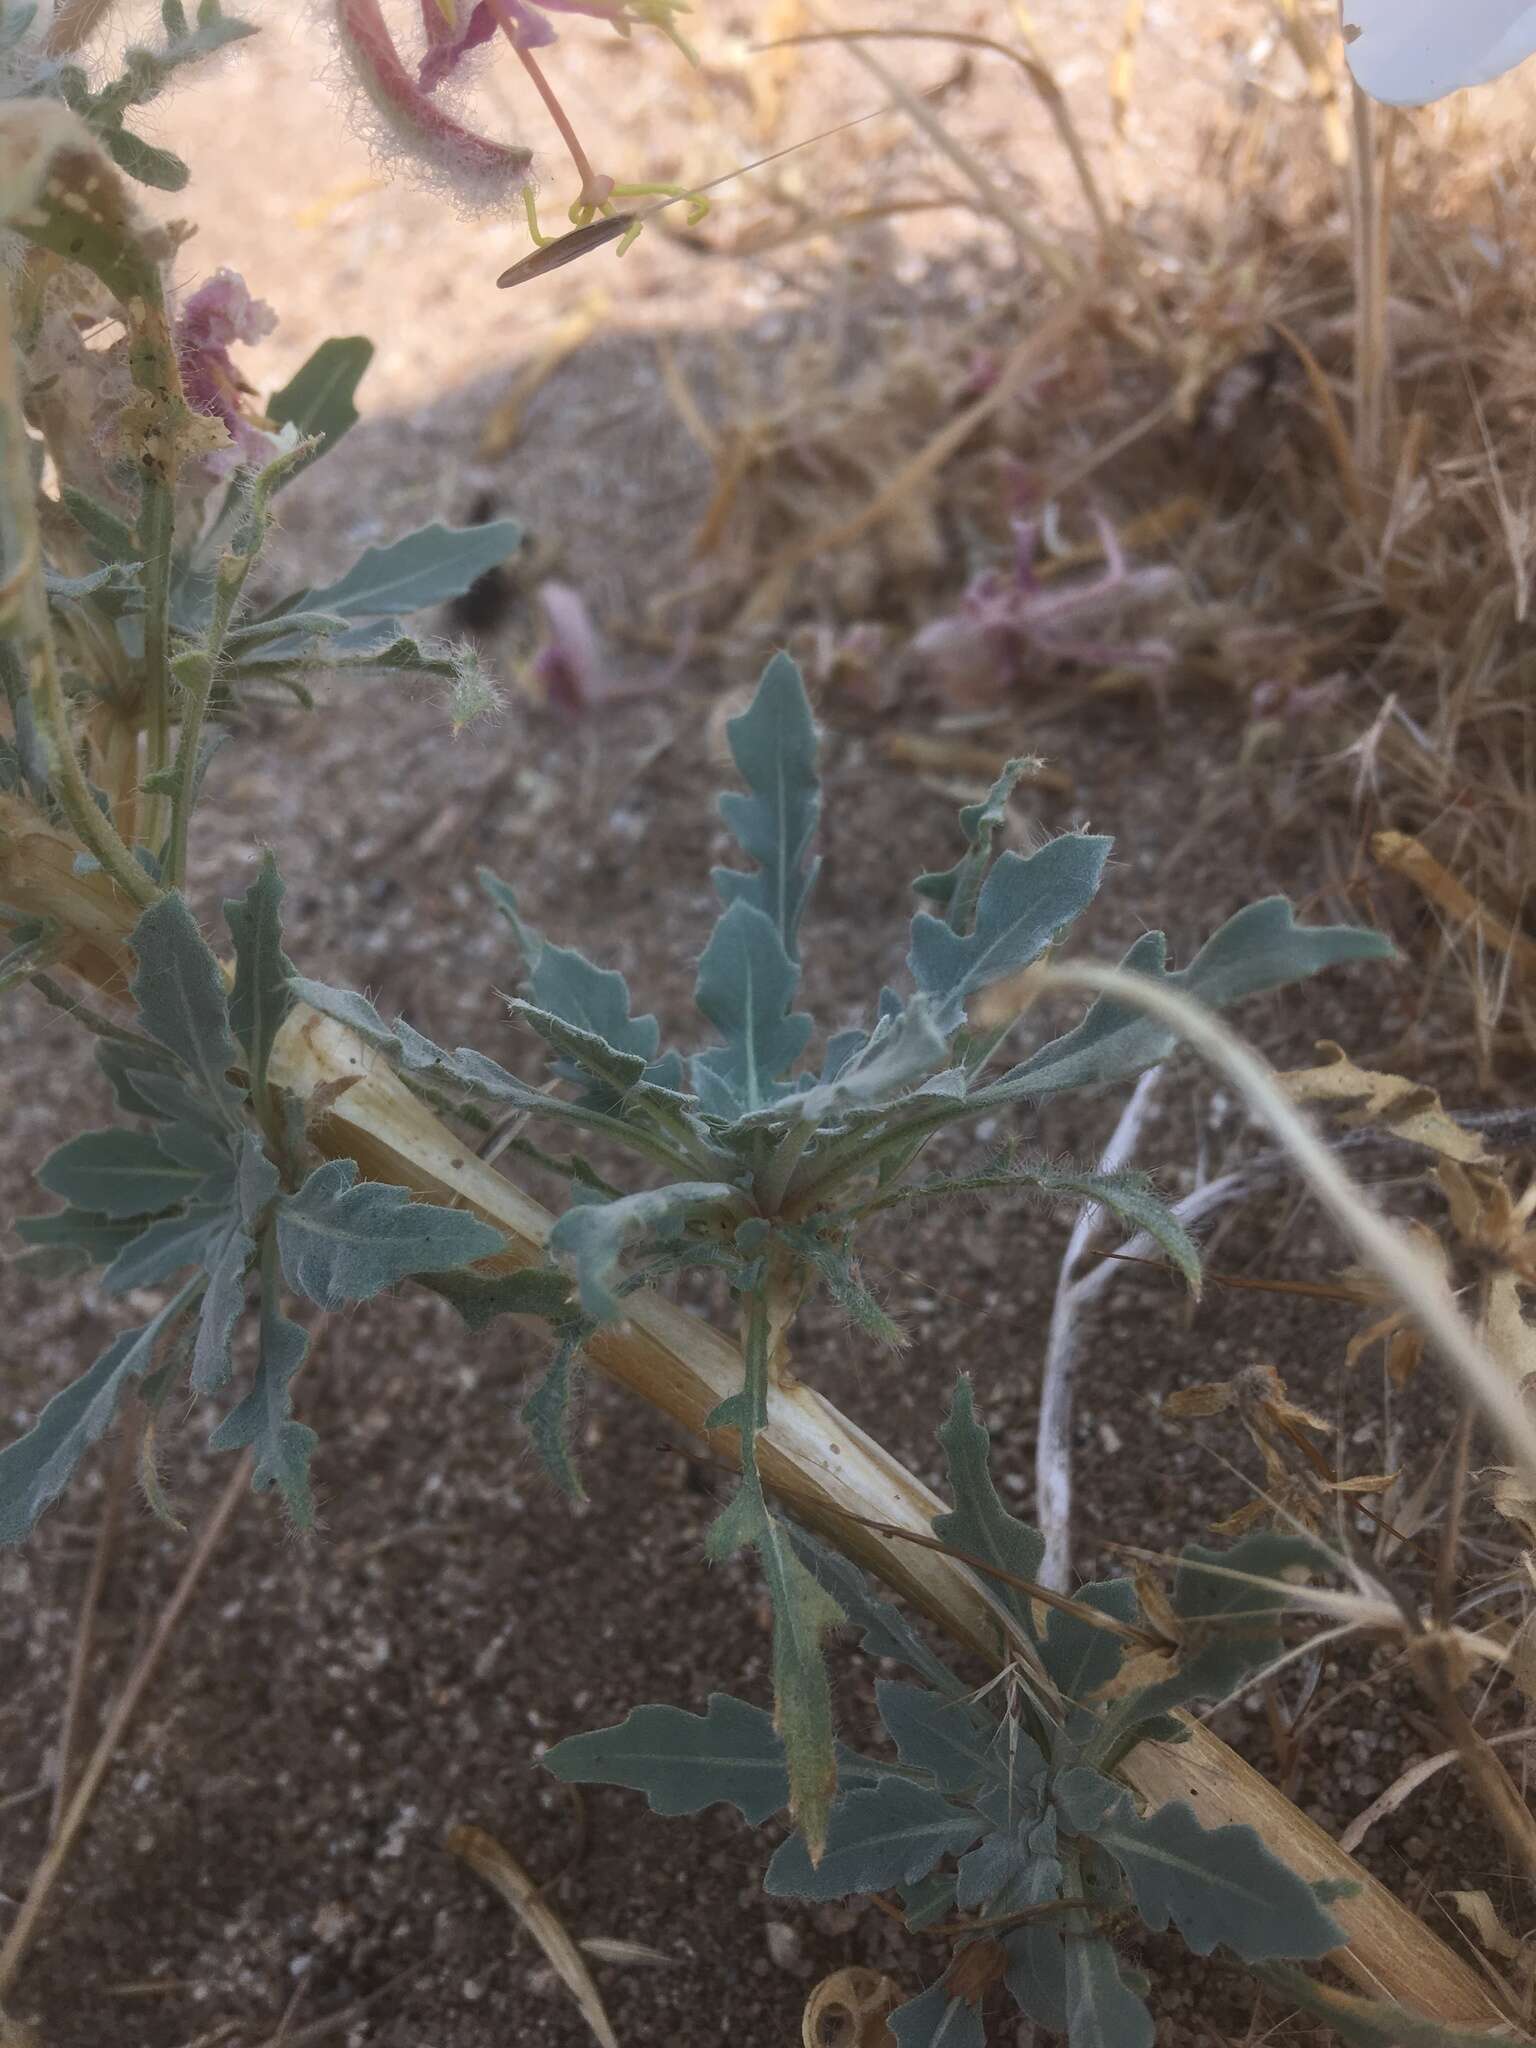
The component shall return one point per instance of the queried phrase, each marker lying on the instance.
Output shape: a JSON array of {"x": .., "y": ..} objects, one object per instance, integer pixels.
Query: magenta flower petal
[
  {"x": 219, "y": 314},
  {"x": 446, "y": 46}
]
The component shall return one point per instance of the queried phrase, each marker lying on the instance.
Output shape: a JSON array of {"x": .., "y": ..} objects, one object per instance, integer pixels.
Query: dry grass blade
[
  {"x": 1404, "y": 1786},
  {"x": 507, "y": 1877},
  {"x": 1006, "y": 212},
  {"x": 47, "y": 1874},
  {"x": 1385, "y": 1248},
  {"x": 1037, "y": 72},
  {"x": 1408, "y": 856},
  {"x": 607, "y": 1949}
]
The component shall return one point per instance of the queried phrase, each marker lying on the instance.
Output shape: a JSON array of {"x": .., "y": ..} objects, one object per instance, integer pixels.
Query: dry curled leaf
[
  {"x": 506, "y": 1876},
  {"x": 1519, "y": 1953},
  {"x": 849, "y": 2009},
  {"x": 1362, "y": 1096},
  {"x": 1296, "y": 1479}
]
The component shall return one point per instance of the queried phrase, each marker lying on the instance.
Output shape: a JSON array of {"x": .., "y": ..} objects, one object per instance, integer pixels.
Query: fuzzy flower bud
[{"x": 479, "y": 171}]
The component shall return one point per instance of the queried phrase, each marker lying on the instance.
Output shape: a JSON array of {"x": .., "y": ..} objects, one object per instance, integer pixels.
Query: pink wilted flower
[
  {"x": 567, "y": 669},
  {"x": 219, "y": 314},
  {"x": 468, "y": 24},
  {"x": 1007, "y": 614}
]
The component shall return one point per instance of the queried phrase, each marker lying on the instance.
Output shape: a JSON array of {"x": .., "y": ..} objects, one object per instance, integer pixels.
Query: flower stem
[
  {"x": 594, "y": 189},
  {"x": 156, "y": 539}
]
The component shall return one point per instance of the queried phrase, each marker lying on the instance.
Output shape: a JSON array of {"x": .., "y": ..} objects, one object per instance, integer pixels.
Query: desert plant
[
  {"x": 998, "y": 1822},
  {"x": 133, "y": 619},
  {"x": 774, "y": 1164}
]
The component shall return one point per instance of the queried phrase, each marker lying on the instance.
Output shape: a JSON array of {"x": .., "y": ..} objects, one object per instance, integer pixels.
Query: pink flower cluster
[{"x": 219, "y": 314}]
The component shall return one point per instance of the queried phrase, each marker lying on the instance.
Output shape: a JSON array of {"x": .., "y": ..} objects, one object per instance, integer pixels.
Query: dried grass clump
[{"x": 1302, "y": 390}]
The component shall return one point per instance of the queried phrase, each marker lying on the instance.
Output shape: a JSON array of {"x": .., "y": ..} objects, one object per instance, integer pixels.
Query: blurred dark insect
[{"x": 493, "y": 599}]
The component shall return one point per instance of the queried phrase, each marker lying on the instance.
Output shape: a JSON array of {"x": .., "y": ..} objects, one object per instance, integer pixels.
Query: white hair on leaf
[{"x": 1409, "y": 52}]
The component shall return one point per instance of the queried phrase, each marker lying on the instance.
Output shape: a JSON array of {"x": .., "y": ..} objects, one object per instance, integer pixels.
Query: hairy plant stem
[
  {"x": 94, "y": 1020},
  {"x": 157, "y": 539},
  {"x": 24, "y": 608},
  {"x": 75, "y": 21}
]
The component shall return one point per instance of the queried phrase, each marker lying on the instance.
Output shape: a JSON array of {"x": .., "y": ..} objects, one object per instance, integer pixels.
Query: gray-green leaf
[
  {"x": 318, "y": 399},
  {"x": 264, "y": 1419},
  {"x": 116, "y": 1173},
  {"x": 342, "y": 1241},
  {"x": 746, "y": 984},
  {"x": 773, "y": 744},
  {"x": 1102, "y": 2009},
  {"x": 978, "y": 1522},
  {"x": 1025, "y": 903},
  {"x": 893, "y": 1832},
  {"x": 1216, "y": 1885},
  {"x": 546, "y": 1416},
  {"x": 425, "y": 568},
  {"x": 592, "y": 1235},
  {"x": 1260, "y": 948},
  {"x": 938, "y": 2020},
  {"x": 35, "y": 1470},
  {"x": 180, "y": 994},
  {"x": 1079, "y": 1658},
  {"x": 949, "y": 1740},
  {"x": 886, "y": 1632},
  {"x": 684, "y": 1762},
  {"x": 261, "y": 998}
]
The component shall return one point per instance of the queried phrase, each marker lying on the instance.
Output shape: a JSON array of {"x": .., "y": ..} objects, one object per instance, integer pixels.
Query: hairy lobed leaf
[
  {"x": 1102, "y": 2011},
  {"x": 180, "y": 996},
  {"x": 117, "y": 1173},
  {"x": 978, "y": 1522},
  {"x": 1218, "y": 1886},
  {"x": 264, "y": 1419},
  {"x": 1079, "y": 1659},
  {"x": 957, "y": 888},
  {"x": 953, "y": 1742},
  {"x": 834, "y": 1264},
  {"x": 746, "y": 984},
  {"x": 261, "y": 997},
  {"x": 730, "y": 1754},
  {"x": 341, "y": 1240},
  {"x": 591, "y": 1236},
  {"x": 1260, "y": 948},
  {"x": 35, "y": 1470},
  {"x": 893, "y": 1832},
  {"x": 546, "y": 1415},
  {"x": 1025, "y": 903},
  {"x": 885, "y": 1631},
  {"x": 424, "y": 568},
  {"x": 937, "y": 2019},
  {"x": 773, "y": 744},
  {"x": 1127, "y": 1194},
  {"x": 318, "y": 398}
]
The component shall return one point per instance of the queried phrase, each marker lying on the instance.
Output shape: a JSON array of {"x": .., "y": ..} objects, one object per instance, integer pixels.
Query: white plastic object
[{"x": 1408, "y": 52}]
